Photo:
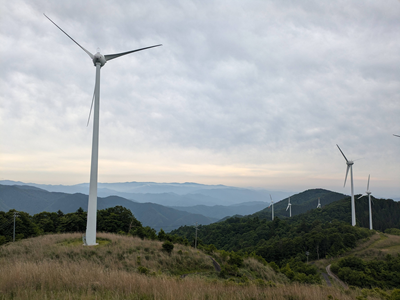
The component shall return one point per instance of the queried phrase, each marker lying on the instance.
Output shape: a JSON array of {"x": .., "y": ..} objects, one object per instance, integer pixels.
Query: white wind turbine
[
  {"x": 99, "y": 60},
  {"x": 272, "y": 203},
  {"x": 368, "y": 193},
  {"x": 289, "y": 206},
  {"x": 350, "y": 166},
  {"x": 319, "y": 204}
]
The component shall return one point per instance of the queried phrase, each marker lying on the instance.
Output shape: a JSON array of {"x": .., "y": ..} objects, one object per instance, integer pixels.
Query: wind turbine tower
[
  {"x": 319, "y": 204},
  {"x": 350, "y": 166},
  {"x": 99, "y": 60},
  {"x": 272, "y": 204},
  {"x": 368, "y": 193},
  {"x": 289, "y": 206}
]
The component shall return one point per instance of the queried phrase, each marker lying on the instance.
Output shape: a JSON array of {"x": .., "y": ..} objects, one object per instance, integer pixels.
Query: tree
[{"x": 168, "y": 247}]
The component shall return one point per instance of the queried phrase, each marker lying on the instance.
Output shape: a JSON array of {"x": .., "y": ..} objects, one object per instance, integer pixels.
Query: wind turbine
[
  {"x": 272, "y": 203},
  {"x": 368, "y": 193},
  {"x": 319, "y": 204},
  {"x": 350, "y": 166},
  {"x": 289, "y": 206},
  {"x": 99, "y": 60}
]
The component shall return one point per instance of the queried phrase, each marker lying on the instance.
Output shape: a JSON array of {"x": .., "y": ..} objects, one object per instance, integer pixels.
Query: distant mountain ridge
[
  {"x": 221, "y": 211},
  {"x": 34, "y": 200},
  {"x": 173, "y": 194}
]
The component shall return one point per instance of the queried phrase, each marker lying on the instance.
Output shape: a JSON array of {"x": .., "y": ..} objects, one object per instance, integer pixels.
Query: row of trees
[{"x": 116, "y": 219}]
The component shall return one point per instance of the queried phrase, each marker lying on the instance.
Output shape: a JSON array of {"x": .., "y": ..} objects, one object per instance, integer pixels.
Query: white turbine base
[{"x": 92, "y": 201}]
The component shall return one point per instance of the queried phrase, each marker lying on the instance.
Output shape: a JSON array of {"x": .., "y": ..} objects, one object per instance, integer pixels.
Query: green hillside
[{"x": 321, "y": 232}]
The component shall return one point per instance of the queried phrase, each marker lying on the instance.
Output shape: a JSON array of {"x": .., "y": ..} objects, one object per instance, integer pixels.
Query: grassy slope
[
  {"x": 59, "y": 267},
  {"x": 376, "y": 246}
]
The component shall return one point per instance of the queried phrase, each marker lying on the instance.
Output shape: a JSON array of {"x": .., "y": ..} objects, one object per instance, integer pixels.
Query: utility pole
[
  {"x": 15, "y": 216},
  {"x": 195, "y": 241}
]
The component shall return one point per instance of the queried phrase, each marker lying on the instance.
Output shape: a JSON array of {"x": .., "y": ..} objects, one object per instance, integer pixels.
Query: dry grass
[
  {"x": 379, "y": 245},
  {"x": 49, "y": 268}
]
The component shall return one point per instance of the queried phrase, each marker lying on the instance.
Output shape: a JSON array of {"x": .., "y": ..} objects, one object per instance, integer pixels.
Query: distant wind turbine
[
  {"x": 350, "y": 166},
  {"x": 368, "y": 193},
  {"x": 319, "y": 204},
  {"x": 289, "y": 206},
  {"x": 99, "y": 60},
  {"x": 272, "y": 204}
]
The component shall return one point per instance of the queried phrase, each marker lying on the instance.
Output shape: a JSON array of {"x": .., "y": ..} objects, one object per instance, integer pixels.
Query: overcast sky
[{"x": 243, "y": 93}]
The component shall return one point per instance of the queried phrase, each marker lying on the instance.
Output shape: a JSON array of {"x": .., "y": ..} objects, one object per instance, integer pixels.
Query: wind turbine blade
[
  {"x": 91, "y": 106},
  {"x": 287, "y": 207},
  {"x": 342, "y": 152},
  {"x": 347, "y": 172},
  {"x": 368, "y": 182},
  {"x": 90, "y": 54},
  {"x": 112, "y": 56},
  {"x": 396, "y": 135},
  {"x": 270, "y": 197},
  {"x": 362, "y": 196}
]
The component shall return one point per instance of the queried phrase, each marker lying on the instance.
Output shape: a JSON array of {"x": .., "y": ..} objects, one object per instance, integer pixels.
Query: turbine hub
[
  {"x": 350, "y": 163},
  {"x": 99, "y": 58}
]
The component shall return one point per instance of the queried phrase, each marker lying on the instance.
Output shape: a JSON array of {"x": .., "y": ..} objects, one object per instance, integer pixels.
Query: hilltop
[{"x": 122, "y": 267}]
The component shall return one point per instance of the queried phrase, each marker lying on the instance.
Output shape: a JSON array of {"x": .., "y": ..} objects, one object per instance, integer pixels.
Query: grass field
[{"x": 122, "y": 267}]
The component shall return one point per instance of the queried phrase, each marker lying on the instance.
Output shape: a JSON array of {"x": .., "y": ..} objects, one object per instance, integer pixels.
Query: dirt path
[
  {"x": 328, "y": 270},
  {"x": 326, "y": 277}
]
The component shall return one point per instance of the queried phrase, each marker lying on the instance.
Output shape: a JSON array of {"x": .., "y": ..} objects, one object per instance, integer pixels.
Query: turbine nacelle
[
  {"x": 350, "y": 162},
  {"x": 99, "y": 58},
  {"x": 289, "y": 205}
]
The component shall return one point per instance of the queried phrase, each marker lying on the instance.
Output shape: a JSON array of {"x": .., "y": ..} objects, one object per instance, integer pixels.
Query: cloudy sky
[{"x": 243, "y": 93}]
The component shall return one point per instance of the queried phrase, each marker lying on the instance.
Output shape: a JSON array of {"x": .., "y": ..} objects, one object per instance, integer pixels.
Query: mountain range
[
  {"x": 167, "y": 194},
  {"x": 34, "y": 200}
]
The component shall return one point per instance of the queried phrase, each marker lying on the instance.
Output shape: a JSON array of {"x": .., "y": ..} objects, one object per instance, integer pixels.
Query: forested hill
[
  {"x": 325, "y": 231},
  {"x": 385, "y": 213},
  {"x": 301, "y": 203}
]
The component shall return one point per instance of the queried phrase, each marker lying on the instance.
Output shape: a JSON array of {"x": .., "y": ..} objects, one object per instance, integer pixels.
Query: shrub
[
  {"x": 394, "y": 231},
  {"x": 274, "y": 266},
  {"x": 235, "y": 259},
  {"x": 143, "y": 270},
  {"x": 395, "y": 294}
]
